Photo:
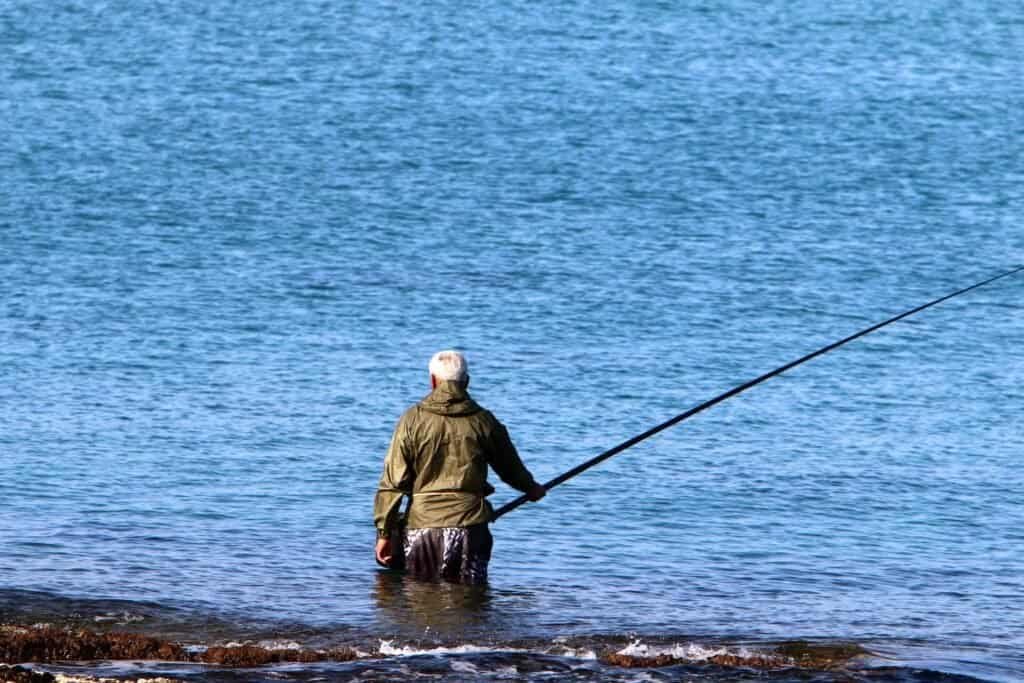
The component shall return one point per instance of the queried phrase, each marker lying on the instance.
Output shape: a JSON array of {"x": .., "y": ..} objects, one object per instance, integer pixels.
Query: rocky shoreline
[{"x": 45, "y": 644}]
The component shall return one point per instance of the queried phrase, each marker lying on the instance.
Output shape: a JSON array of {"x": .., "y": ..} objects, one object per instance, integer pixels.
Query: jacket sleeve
[
  {"x": 395, "y": 482},
  {"x": 504, "y": 460}
]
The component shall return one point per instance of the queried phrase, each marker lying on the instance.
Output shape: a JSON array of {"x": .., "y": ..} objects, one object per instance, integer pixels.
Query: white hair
[{"x": 449, "y": 365}]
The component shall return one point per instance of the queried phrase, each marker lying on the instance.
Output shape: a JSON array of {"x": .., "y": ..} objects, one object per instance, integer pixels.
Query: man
[{"x": 439, "y": 456}]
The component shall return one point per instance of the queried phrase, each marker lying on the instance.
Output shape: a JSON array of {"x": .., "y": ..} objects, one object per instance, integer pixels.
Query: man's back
[{"x": 439, "y": 456}]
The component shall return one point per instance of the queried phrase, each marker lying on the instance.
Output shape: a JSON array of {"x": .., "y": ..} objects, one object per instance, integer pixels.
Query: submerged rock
[{"x": 820, "y": 655}]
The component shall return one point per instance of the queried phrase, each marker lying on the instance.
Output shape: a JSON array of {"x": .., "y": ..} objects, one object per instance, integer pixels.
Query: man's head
[{"x": 449, "y": 366}]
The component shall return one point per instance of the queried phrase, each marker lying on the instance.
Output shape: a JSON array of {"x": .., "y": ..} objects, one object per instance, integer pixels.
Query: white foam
[
  {"x": 642, "y": 677},
  {"x": 692, "y": 652},
  {"x": 279, "y": 645},
  {"x": 122, "y": 618},
  {"x": 575, "y": 653},
  {"x": 267, "y": 644},
  {"x": 388, "y": 648},
  {"x": 463, "y": 667}
]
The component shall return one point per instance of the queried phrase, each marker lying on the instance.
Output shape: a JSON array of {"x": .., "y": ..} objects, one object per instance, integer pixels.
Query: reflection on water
[{"x": 436, "y": 609}]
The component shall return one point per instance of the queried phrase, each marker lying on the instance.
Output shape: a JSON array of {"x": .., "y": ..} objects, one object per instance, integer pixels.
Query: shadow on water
[{"x": 438, "y": 610}]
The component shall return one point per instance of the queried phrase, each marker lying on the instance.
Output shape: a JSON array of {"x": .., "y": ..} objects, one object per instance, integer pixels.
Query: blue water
[{"x": 232, "y": 234}]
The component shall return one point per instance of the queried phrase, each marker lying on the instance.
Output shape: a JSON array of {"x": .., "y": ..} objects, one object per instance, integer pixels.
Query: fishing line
[{"x": 596, "y": 460}]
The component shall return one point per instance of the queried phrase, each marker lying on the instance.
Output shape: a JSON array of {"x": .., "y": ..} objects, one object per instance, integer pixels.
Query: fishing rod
[{"x": 598, "y": 459}]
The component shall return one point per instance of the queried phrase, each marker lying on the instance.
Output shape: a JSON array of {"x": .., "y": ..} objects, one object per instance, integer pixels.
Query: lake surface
[{"x": 232, "y": 235}]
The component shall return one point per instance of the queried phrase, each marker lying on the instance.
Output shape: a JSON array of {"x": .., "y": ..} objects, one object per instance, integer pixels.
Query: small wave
[
  {"x": 572, "y": 652},
  {"x": 463, "y": 667},
  {"x": 274, "y": 645},
  {"x": 691, "y": 651},
  {"x": 122, "y": 618},
  {"x": 388, "y": 648},
  {"x": 558, "y": 648}
]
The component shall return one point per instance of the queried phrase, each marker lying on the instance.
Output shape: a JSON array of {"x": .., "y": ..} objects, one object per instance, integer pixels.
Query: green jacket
[{"x": 439, "y": 456}]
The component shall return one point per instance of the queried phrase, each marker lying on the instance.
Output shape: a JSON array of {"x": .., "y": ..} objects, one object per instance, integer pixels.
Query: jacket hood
[{"x": 450, "y": 399}]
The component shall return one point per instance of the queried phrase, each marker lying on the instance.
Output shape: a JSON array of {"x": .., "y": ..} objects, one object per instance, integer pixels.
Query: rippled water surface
[{"x": 232, "y": 234}]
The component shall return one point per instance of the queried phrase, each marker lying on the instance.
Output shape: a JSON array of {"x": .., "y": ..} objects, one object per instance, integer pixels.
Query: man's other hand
[
  {"x": 536, "y": 492},
  {"x": 383, "y": 551}
]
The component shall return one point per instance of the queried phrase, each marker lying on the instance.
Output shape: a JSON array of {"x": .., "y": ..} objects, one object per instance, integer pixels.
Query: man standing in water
[{"x": 439, "y": 456}]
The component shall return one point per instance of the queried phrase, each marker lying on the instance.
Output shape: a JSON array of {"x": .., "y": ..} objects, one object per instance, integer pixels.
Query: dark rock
[
  {"x": 797, "y": 654},
  {"x": 252, "y": 655},
  {"x": 19, "y": 674},
  {"x": 761, "y": 662},
  {"x": 633, "y": 662},
  {"x": 341, "y": 654},
  {"x": 50, "y": 644},
  {"x": 244, "y": 655}
]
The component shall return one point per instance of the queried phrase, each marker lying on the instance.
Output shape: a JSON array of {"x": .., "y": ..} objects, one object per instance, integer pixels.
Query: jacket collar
[{"x": 450, "y": 398}]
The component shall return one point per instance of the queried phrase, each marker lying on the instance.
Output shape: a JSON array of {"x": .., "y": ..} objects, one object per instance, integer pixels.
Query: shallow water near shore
[{"x": 232, "y": 235}]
